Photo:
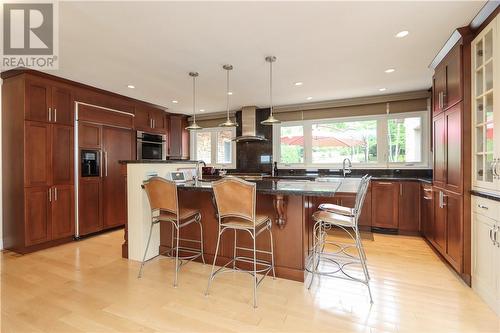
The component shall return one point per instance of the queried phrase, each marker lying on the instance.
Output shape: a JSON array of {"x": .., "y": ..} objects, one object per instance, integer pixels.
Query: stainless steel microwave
[{"x": 151, "y": 146}]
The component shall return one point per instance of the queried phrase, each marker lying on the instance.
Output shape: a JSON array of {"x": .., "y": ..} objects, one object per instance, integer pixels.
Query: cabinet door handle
[
  {"x": 55, "y": 115},
  {"x": 55, "y": 193},
  {"x": 50, "y": 114},
  {"x": 105, "y": 164},
  {"x": 444, "y": 196},
  {"x": 443, "y": 98},
  {"x": 482, "y": 206},
  {"x": 400, "y": 189},
  {"x": 491, "y": 235},
  {"x": 384, "y": 183},
  {"x": 50, "y": 194}
]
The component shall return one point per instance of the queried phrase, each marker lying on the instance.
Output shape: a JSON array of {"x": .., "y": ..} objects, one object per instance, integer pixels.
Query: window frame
[
  {"x": 213, "y": 146},
  {"x": 382, "y": 142}
]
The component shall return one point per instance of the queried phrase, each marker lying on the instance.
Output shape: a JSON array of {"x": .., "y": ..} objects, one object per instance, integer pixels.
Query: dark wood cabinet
[
  {"x": 37, "y": 215},
  {"x": 439, "y": 148},
  {"x": 62, "y": 211},
  {"x": 150, "y": 119},
  {"x": 117, "y": 145},
  {"x": 37, "y": 154},
  {"x": 63, "y": 105},
  {"x": 90, "y": 206},
  {"x": 62, "y": 155},
  {"x": 89, "y": 135},
  {"x": 427, "y": 211},
  {"x": 447, "y": 234},
  {"x": 453, "y": 148},
  {"x": 38, "y": 96},
  {"x": 385, "y": 210},
  {"x": 447, "y": 81},
  {"x": 409, "y": 208},
  {"x": 179, "y": 137}
]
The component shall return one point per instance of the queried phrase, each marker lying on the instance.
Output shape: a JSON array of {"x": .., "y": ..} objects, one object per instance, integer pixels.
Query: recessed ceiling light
[
  {"x": 298, "y": 84},
  {"x": 402, "y": 34},
  {"x": 382, "y": 89},
  {"x": 309, "y": 98},
  {"x": 175, "y": 102},
  {"x": 229, "y": 92},
  {"x": 390, "y": 70},
  {"x": 202, "y": 110},
  {"x": 131, "y": 86}
]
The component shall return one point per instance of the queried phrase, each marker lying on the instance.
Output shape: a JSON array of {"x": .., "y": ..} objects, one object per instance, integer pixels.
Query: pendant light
[
  {"x": 271, "y": 120},
  {"x": 194, "y": 126},
  {"x": 228, "y": 122}
]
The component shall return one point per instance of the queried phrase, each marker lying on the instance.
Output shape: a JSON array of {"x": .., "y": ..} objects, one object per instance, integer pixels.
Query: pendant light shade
[
  {"x": 271, "y": 120},
  {"x": 194, "y": 126},
  {"x": 228, "y": 122}
]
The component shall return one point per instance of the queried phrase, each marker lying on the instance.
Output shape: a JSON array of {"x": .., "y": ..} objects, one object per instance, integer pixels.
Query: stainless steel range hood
[{"x": 249, "y": 125}]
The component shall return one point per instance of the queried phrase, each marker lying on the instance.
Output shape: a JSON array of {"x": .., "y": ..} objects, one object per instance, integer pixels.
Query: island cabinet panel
[
  {"x": 409, "y": 207},
  {"x": 385, "y": 204},
  {"x": 117, "y": 145}
]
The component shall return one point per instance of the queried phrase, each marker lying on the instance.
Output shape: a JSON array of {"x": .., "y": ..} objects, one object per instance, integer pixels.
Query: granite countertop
[
  {"x": 312, "y": 177},
  {"x": 288, "y": 187}
]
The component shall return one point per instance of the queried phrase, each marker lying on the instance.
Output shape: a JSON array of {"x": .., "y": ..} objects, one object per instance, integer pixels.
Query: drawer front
[{"x": 486, "y": 207}]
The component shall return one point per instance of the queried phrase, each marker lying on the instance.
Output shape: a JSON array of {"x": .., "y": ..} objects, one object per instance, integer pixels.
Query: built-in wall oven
[{"x": 151, "y": 146}]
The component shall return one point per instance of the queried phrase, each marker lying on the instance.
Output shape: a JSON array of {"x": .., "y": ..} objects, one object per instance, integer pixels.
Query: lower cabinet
[
  {"x": 409, "y": 209},
  {"x": 427, "y": 211},
  {"x": 447, "y": 232},
  {"x": 385, "y": 208},
  {"x": 49, "y": 213},
  {"x": 486, "y": 251}
]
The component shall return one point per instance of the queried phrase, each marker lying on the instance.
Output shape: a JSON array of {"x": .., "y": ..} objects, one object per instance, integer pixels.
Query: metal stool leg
[
  {"x": 363, "y": 263},
  {"x": 213, "y": 264},
  {"x": 176, "y": 256},
  {"x": 201, "y": 239},
  {"x": 272, "y": 250},
  {"x": 316, "y": 241},
  {"x": 254, "y": 272},
  {"x": 145, "y": 251},
  {"x": 362, "y": 250},
  {"x": 234, "y": 250}
]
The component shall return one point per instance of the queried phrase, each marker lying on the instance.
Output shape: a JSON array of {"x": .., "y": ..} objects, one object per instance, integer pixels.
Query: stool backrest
[
  {"x": 360, "y": 196},
  {"x": 235, "y": 197},
  {"x": 162, "y": 194}
]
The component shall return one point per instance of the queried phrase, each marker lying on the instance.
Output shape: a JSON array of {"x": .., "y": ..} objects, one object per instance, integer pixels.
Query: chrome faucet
[
  {"x": 199, "y": 173},
  {"x": 346, "y": 171}
]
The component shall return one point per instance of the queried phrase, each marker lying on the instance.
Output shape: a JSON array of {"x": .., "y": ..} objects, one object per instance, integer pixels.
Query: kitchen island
[{"x": 290, "y": 203}]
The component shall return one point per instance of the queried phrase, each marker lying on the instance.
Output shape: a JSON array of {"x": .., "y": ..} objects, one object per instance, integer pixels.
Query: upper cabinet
[
  {"x": 486, "y": 108},
  {"x": 179, "y": 137},
  {"x": 447, "y": 90},
  {"x": 48, "y": 102},
  {"x": 150, "y": 119}
]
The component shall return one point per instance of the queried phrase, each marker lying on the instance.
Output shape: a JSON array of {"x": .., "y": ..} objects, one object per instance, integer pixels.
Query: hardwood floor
[{"x": 87, "y": 287}]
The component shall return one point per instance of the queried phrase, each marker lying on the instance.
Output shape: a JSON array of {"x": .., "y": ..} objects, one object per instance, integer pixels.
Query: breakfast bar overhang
[{"x": 290, "y": 204}]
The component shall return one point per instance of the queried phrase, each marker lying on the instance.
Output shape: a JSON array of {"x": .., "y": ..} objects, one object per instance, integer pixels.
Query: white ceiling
[{"x": 338, "y": 49}]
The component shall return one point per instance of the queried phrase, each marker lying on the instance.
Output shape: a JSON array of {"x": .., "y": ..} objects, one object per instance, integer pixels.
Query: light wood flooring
[{"x": 87, "y": 287}]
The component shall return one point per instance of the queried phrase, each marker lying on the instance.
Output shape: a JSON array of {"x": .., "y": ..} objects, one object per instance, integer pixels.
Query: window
[
  {"x": 292, "y": 144},
  {"x": 395, "y": 140},
  {"x": 333, "y": 142},
  {"x": 405, "y": 139},
  {"x": 214, "y": 146}
]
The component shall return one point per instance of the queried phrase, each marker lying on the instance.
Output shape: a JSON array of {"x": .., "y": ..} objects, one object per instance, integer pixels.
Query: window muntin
[{"x": 333, "y": 142}]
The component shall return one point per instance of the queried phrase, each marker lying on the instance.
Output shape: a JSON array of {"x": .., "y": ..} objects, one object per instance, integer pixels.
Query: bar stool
[
  {"x": 163, "y": 199},
  {"x": 236, "y": 199},
  {"x": 346, "y": 219}
]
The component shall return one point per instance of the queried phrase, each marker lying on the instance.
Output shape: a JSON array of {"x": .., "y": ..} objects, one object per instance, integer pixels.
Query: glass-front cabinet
[{"x": 486, "y": 108}]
